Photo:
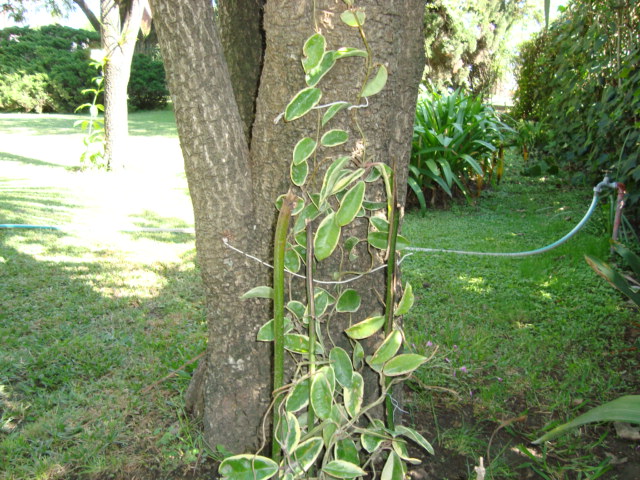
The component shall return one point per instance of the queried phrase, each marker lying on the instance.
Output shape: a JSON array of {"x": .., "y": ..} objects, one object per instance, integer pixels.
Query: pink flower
[{"x": 463, "y": 369}]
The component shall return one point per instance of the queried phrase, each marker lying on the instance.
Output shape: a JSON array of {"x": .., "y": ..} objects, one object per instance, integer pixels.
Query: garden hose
[{"x": 605, "y": 183}]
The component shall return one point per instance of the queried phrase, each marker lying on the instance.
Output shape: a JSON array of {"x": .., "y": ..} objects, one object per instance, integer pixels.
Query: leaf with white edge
[
  {"x": 303, "y": 150},
  {"x": 298, "y": 398},
  {"x": 302, "y": 103},
  {"x": 247, "y": 467},
  {"x": 400, "y": 447},
  {"x": 379, "y": 240},
  {"x": 354, "y": 395},
  {"x": 343, "y": 181},
  {"x": 334, "y": 137},
  {"x": 328, "y": 430},
  {"x": 299, "y": 173},
  {"x": 345, "y": 449},
  {"x": 313, "y": 50},
  {"x": 314, "y": 75},
  {"x": 333, "y": 110},
  {"x": 393, "y": 468},
  {"x": 411, "y": 434},
  {"x": 321, "y": 395},
  {"x": 365, "y": 328},
  {"x": 296, "y": 343},
  {"x": 292, "y": 261},
  {"x": 403, "y": 364},
  {"x": 341, "y": 366},
  {"x": 310, "y": 212},
  {"x": 353, "y": 18},
  {"x": 307, "y": 453},
  {"x": 326, "y": 237},
  {"x": 406, "y": 302},
  {"x": 373, "y": 437},
  {"x": 377, "y": 83},
  {"x": 349, "y": 246},
  {"x": 386, "y": 351},
  {"x": 358, "y": 355},
  {"x": 350, "y": 204},
  {"x": 348, "y": 302},
  {"x": 331, "y": 176},
  {"x": 262, "y": 291},
  {"x": 265, "y": 334},
  {"x": 322, "y": 300},
  {"x": 381, "y": 224},
  {"x": 288, "y": 433},
  {"x": 345, "y": 52},
  {"x": 297, "y": 308},
  {"x": 343, "y": 469}
]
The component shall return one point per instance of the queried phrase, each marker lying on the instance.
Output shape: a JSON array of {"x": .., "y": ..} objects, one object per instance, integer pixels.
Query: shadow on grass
[
  {"x": 150, "y": 219},
  {"x": 79, "y": 340},
  {"x": 10, "y": 157},
  {"x": 39, "y": 124}
]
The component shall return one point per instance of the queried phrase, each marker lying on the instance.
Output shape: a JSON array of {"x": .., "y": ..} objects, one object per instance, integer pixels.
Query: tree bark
[
  {"x": 119, "y": 34},
  {"x": 233, "y": 187}
]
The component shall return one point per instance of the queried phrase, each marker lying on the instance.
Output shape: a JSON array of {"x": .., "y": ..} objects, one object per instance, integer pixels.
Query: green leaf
[
  {"x": 334, "y": 137},
  {"x": 298, "y": 398},
  {"x": 265, "y": 334},
  {"x": 386, "y": 351},
  {"x": 331, "y": 176},
  {"x": 365, "y": 328},
  {"x": 381, "y": 224},
  {"x": 403, "y": 364},
  {"x": 411, "y": 434},
  {"x": 328, "y": 430},
  {"x": 379, "y": 240},
  {"x": 259, "y": 292},
  {"x": 288, "y": 433},
  {"x": 623, "y": 409},
  {"x": 297, "y": 308},
  {"x": 247, "y": 467},
  {"x": 313, "y": 50},
  {"x": 400, "y": 447},
  {"x": 322, "y": 300},
  {"x": 406, "y": 302},
  {"x": 345, "y": 449},
  {"x": 299, "y": 173},
  {"x": 353, "y": 18},
  {"x": 345, "y": 52},
  {"x": 349, "y": 247},
  {"x": 307, "y": 453},
  {"x": 373, "y": 437},
  {"x": 345, "y": 179},
  {"x": 393, "y": 468},
  {"x": 326, "y": 237},
  {"x": 358, "y": 355},
  {"x": 353, "y": 395},
  {"x": 310, "y": 212},
  {"x": 333, "y": 110},
  {"x": 343, "y": 469},
  {"x": 314, "y": 75},
  {"x": 292, "y": 261},
  {"x": 302, "y": 103},
  {"x": 613, "y": 277},
  {"x": 342, "y": 367},
  {"x": 303, "y": 150},
  {"x": 321, "y": 394},
  {"x": 377, "y": 83},
  {"x": 348, "y": 302},
  {"x": 350, "y": 204},
  {"x": 297, "y": 343}
]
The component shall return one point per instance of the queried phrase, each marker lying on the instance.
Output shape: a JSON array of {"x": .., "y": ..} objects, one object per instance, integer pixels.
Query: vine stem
[
  {"x": 282, "y": 229},
  {"x": 312, "y": 318}
]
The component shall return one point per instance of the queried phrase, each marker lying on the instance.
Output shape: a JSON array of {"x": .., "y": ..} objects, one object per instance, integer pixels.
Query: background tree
[{"x": 237, "y": 161}]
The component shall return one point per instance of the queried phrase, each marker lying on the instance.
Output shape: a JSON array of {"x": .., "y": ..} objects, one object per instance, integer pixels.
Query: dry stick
[
  {"x": 171, "y": 374},
  {"x": 503, "y": 424},
  {"x": 312, "y": 320}
]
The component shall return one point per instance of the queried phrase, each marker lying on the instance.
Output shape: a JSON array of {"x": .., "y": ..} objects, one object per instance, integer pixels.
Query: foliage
[
  {"x": 581, "y": 78},
  {"x": 54, "y": 61},
  {"x": 94, "y": 139},
  {"x": 147, "y": 86},
  {"x": 466, "y": 42},
  {"x": 321, "y": 417},
  {"x": 457, "y": 145}
]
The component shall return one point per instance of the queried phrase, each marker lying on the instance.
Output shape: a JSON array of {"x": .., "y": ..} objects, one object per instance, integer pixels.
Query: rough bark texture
[
  {"x": 119, "y": 32},
  {"x": 233, "y": 188}
]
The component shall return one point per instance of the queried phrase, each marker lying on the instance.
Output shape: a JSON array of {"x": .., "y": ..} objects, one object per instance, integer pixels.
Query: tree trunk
[
  {"x": 118, "y": 40},
  {"x": 233, "y": 187}
]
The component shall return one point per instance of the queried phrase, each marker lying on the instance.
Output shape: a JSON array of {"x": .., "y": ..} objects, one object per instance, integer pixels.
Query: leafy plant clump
[
  {"x": 147, "y": 88},
  {"x": 581, "y": 79},
  {"x": 457, "y": 146},
  {"x": 44, "y": 69},
  {"x": 94, "y": 139},
  {"x": 324, "y": 426}
]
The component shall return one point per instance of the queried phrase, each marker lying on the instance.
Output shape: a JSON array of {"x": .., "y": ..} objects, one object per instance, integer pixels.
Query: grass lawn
[{"x": 93, "y": 319}]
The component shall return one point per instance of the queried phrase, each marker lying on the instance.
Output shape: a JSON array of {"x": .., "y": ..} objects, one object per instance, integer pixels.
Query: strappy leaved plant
[{"x": 322, "y": 425}]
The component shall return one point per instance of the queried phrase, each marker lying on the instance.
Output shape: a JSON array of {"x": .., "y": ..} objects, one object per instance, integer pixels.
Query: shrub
[
  {"x": 457, "y": 145},
  {"x": 51, "y": 63},
  {"x": 147, "y": 86},
  {"x": 581, "y": 78}
]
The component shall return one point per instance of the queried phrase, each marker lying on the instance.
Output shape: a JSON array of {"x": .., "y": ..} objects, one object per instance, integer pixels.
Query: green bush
[
  {"x": 50, "y": 63},
  {"x": 147, "y": 86},
  {"x": 457, "y": 145},
  {"x": 581, "y": 79}
]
